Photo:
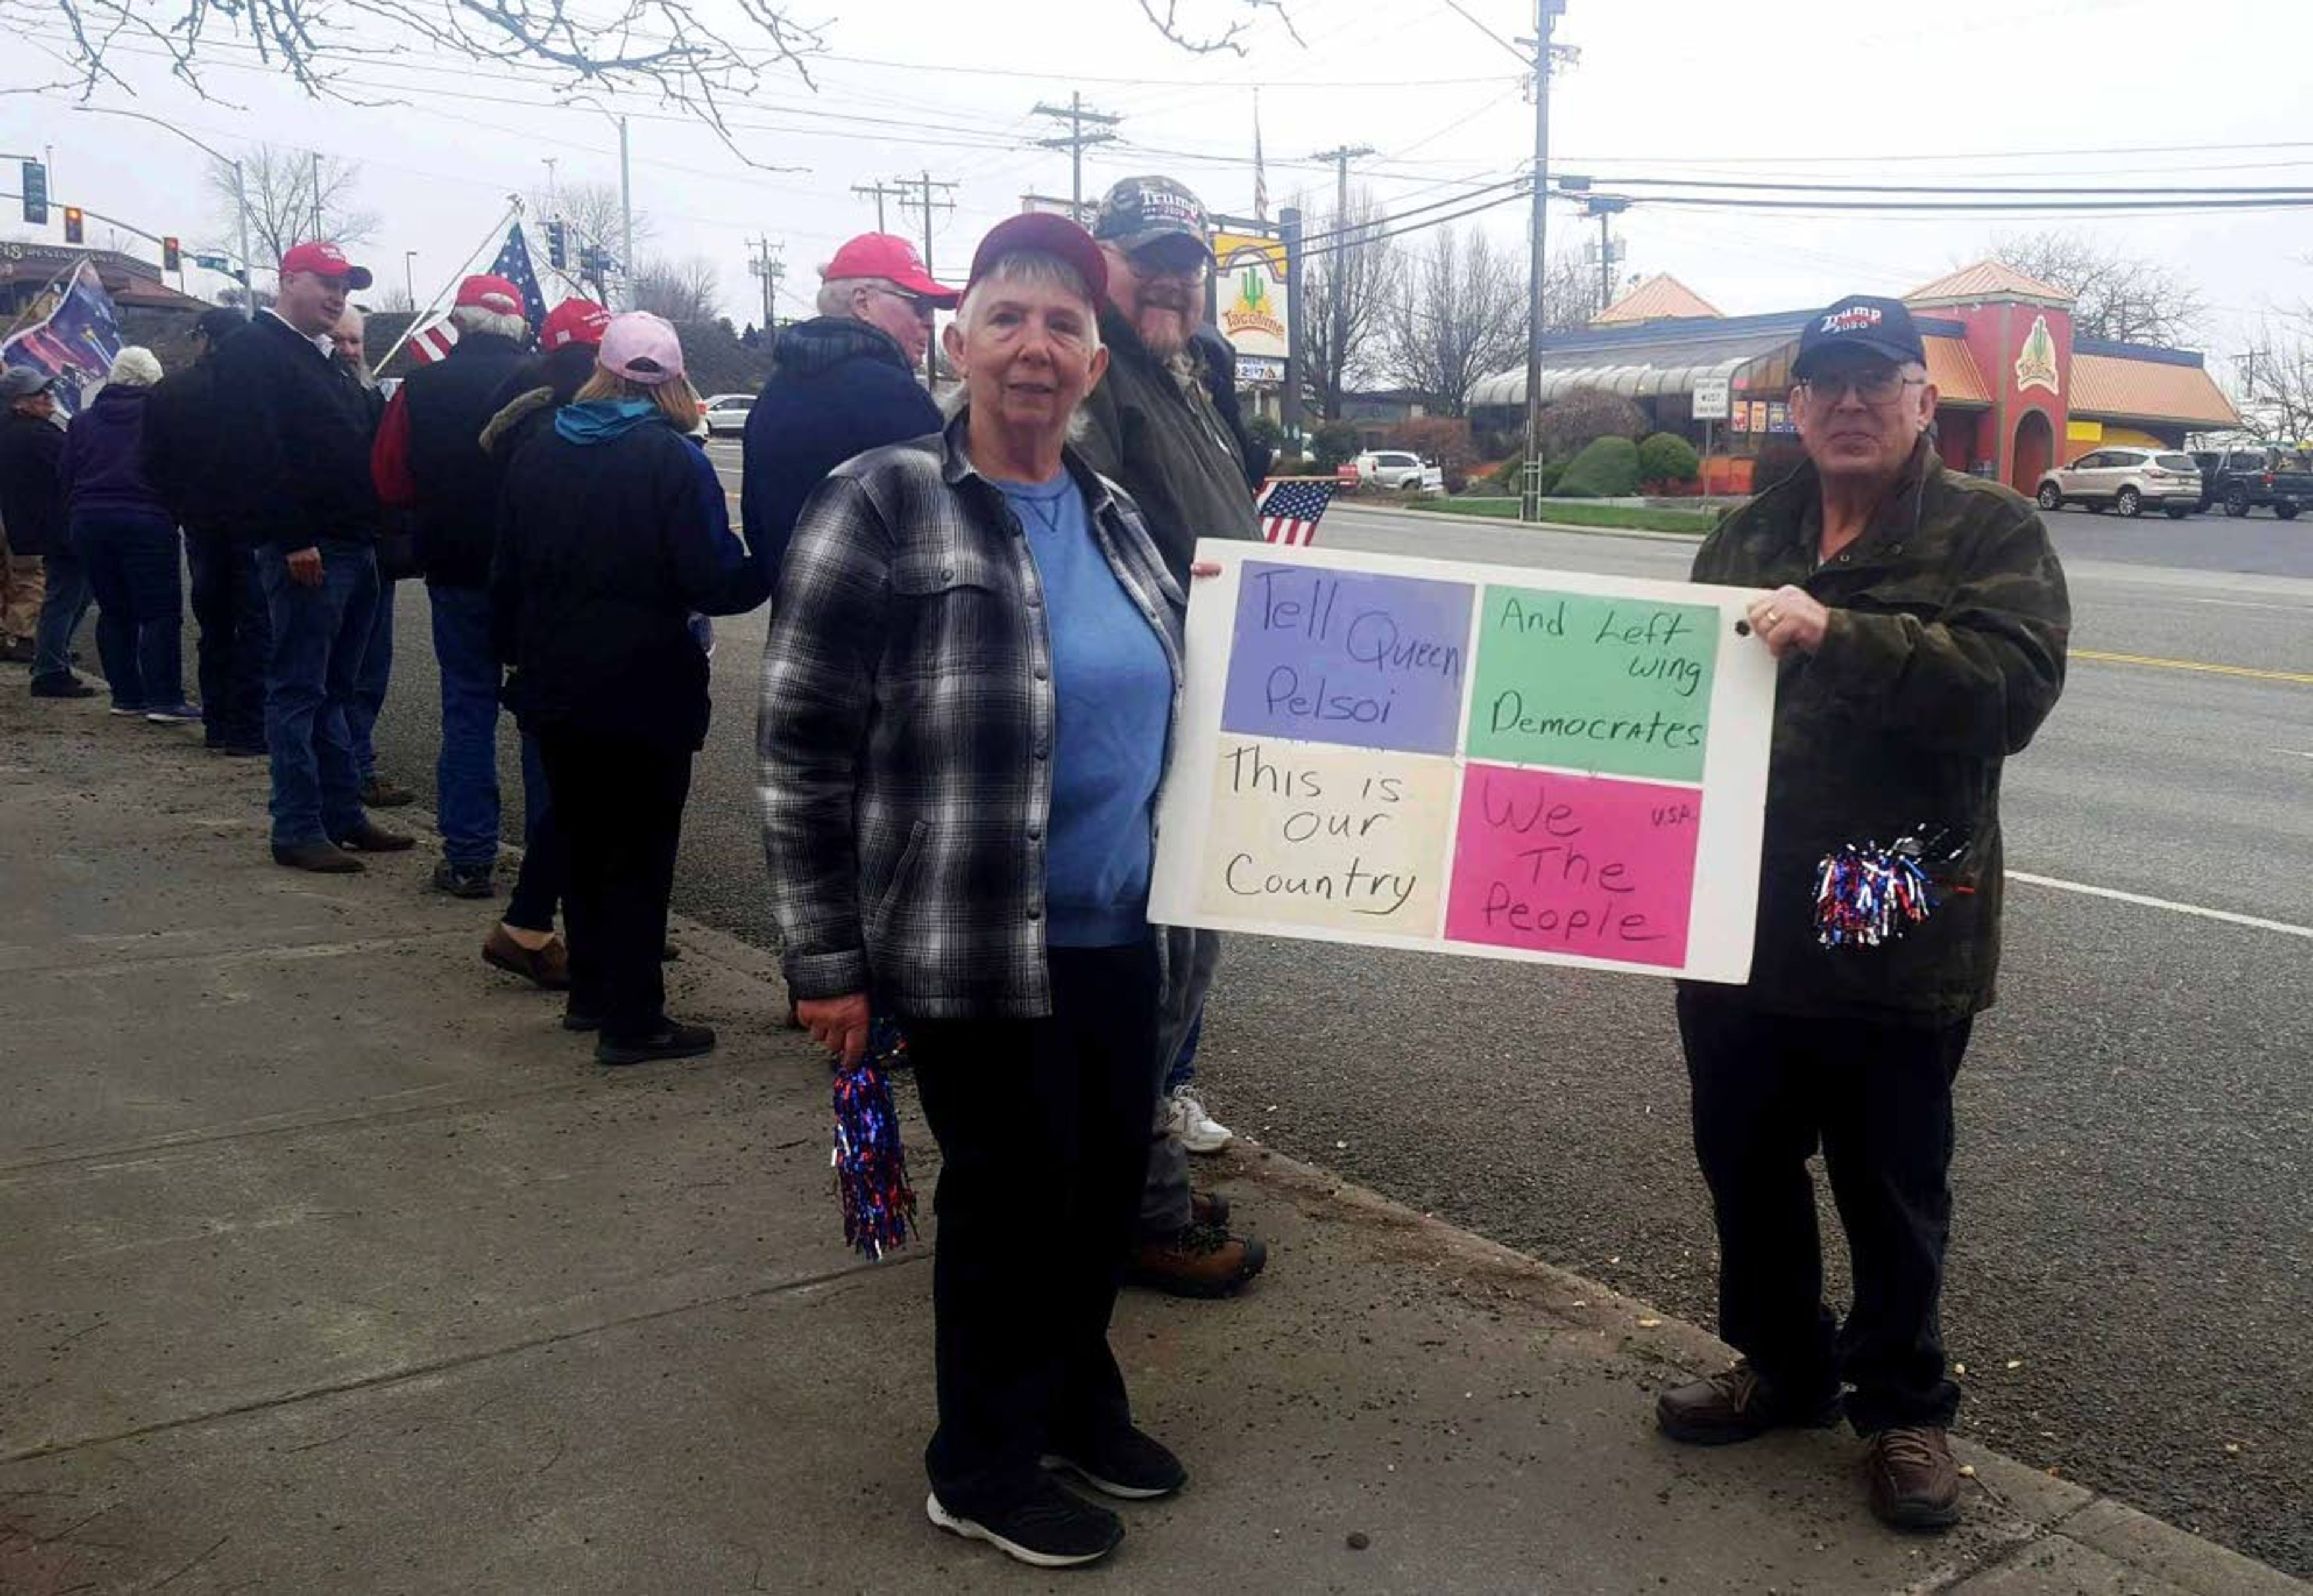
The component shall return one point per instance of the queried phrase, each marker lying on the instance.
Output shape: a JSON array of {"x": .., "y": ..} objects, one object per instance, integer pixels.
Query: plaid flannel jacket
[{"x": 906, "y": 731}]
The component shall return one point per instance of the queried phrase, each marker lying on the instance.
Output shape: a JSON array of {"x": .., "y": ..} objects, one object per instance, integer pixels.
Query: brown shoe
[
  {"x": 377, "y": 792},
  {"x": 370, "y": 837},
  {"x": 1199, "y": 1261},
  {"x": 321, "y": 858},
  {"x": 1735, "y": 1405},
  {"x": 548, "y": 966},
  {"x": 1209, "y": 1207},
  {"x": 1914, "y": 1482}
]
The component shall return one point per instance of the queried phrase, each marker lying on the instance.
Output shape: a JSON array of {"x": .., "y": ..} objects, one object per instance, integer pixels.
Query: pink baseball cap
[
  {"x": 324, "y": 259},
  {"x": 490, "y": 293},
  {"x": 642, "y": 349}
]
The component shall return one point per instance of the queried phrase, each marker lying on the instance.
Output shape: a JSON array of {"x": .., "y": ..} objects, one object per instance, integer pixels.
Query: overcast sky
[{"x": 1969, "y": 91}]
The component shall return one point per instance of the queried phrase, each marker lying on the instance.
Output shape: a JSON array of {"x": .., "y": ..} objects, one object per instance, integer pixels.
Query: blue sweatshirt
[{"x": 1112, "y": 693}]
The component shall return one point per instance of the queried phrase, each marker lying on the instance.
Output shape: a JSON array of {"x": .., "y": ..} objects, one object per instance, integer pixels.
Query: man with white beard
[{"x": 1151, "y": 428}]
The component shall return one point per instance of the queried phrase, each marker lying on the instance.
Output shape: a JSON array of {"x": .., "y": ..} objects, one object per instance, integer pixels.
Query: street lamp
[
  {"x": 239, "y": 196},
  {"x": 408, "y": 279}
]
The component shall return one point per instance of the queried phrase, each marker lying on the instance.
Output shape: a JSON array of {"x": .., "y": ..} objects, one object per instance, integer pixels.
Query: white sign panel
[
  {"x": 1712, "y": 398},
  {"x": 1483, "y": 760}
]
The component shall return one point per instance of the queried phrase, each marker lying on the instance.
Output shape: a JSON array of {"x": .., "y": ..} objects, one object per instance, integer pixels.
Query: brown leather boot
[
  {"x": 1735, "y": 1405},
  {"x": 1914, "y": 1481},
  {"x": 1198, "y": 1261}
]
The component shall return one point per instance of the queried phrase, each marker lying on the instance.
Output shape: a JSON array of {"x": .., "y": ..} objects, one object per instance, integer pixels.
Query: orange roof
[
  {"x": 1987, "y": 279},
  {"x": 1659, "y": 298},
  {"x": 2114, "y": 386},
  {"x": 1952, "y": 368}
]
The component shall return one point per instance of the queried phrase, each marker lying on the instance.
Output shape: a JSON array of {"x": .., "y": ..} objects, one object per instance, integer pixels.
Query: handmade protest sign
[{"x": 1474, "y": 759}]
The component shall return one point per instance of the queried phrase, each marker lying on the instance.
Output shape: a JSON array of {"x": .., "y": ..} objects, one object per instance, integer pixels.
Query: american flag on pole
[
  {"x": 432, "y": 342},
  {"x": 1290, "y": 508}
]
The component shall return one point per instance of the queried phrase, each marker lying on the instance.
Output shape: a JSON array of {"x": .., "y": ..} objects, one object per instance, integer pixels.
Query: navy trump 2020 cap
[{"x": 1860, "y": 321}]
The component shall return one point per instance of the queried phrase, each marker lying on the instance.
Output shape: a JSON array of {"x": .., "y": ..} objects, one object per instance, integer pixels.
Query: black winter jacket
[
  {"x": 449, "y": 404},
  {"x": 1159, "y": 439},
  {"x": 188, "y": 444},
  {"x": 31, "y": 485},
  {"x": 612, "y": 531},
  {"x": 300, "y": 439},
  {"x": 837, "y": 389}
]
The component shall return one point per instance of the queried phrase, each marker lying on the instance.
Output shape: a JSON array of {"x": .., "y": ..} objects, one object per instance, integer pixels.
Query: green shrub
[
  {"x": 1665, "y": 457},
  {"x": 1509, "y": 477},
  {"x": 1335, "y": 443},
  {"x": 1607, "y": 469},
  {"x": 1264, "y": 430}
]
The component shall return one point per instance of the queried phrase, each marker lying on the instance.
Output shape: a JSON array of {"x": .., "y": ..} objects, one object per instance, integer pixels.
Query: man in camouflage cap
[{"x": 1919, "y": 620}]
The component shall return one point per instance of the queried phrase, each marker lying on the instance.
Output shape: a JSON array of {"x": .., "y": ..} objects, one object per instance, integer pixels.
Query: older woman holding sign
[{"x": 969, "y": 689}]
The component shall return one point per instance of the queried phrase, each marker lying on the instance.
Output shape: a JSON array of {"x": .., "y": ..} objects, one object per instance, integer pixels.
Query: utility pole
[
  {"x": 1288, "y": 406},
  {"x": 907, "y": 186},
  {"x": 317, "y": 193},
  {"x": 767, "y": 266},
  {"x": 1547, "y": 55},
  {"x": 1074, "y": 115},
  {"x": 1606, "y": 207},
  {"x": 548, "y": 162},
  {"x": 1337, "y": 316},
  {"x": 881, "y": 191},
  {"x": 626, "y": 214}
]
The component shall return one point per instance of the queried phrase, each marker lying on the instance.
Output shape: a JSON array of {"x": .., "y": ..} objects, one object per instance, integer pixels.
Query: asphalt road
[{"x": 2132, "y": 1273}]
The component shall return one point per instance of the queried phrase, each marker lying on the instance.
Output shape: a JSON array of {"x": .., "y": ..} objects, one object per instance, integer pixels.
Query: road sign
[
  {"x": 36, "y": 194},
  {"x": 1710, "y": 398},
  {"x": 214, "y": 263}
]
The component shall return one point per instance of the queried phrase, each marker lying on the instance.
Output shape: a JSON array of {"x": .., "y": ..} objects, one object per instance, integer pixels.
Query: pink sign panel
[{"x": 1595, "y": 866}]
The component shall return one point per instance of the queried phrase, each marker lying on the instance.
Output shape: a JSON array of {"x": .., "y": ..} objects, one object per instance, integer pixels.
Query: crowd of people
[{"x": 971, "y": 686}]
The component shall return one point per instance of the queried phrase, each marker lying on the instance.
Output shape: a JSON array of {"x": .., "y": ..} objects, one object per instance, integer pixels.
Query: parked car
[
  {"x": 1396, "y": 469},
  {"x": 727, "y": 413},
  {"x": 2241, "y": 479},
  {"x": 2128, "y": 481}
]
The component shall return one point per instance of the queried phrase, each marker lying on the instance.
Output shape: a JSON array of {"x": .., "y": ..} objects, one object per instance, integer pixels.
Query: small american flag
[
  {"x": 1290, "y": 507},
  {"x": 432, "y": 342}
]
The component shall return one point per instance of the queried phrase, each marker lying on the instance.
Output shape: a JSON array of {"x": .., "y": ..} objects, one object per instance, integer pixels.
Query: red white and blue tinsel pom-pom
[
  {"x": 871, "y": 1166},
  {"x": 1868, "y": 895}
]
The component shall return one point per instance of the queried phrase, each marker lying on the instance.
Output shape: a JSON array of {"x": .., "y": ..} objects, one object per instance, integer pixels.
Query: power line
[
  {"x": 1567, "y": 184},
  {"x": 1076, "y": 115}
]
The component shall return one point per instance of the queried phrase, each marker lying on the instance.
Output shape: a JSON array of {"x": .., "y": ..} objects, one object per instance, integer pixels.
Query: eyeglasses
[
  {"x": 918, "y": 306},
  {"x": 1872, "y": 386},
  {"x": 1167, "y": 260}
]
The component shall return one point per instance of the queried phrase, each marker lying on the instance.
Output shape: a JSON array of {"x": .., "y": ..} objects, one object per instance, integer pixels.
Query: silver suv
[{"x": 2129, "y": 480}]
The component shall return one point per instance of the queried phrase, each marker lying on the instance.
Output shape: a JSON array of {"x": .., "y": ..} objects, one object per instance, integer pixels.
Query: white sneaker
[{"x": 1188, "y": 1122}]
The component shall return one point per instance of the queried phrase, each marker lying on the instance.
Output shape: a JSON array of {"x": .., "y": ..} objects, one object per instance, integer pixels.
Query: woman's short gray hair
[
  {"x": 1032, "y": 268},
  {"x": 490, "y": 323}
]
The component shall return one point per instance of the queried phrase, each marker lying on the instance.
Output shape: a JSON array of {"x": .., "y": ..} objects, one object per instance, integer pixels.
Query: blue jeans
[
  {"x": 369, "y": 687},
  {"x": 235, "y": 636},
  {"x": 136, "y": 570},
  {"x": 466, "y": 775},
  {"x": 60, "y": 616},
  {"x": 319, "y": 635}
]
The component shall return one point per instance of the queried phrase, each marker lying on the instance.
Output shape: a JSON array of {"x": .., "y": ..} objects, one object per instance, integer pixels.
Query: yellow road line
[{"x": 2301, "y": 677}]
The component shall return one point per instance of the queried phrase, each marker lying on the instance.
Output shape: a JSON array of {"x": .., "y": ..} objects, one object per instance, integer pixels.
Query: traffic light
[
  {"x": 172, "y": 259},
  {"x": 36, "y": 193},
  {"x": 76, "y": 225},
  {"x": 557, "y": 246}
]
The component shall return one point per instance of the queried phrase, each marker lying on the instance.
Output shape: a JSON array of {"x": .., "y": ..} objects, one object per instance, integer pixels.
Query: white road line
[
  {"x": 2251, "y": 921},
  {"x": 2293, "y": 752}
]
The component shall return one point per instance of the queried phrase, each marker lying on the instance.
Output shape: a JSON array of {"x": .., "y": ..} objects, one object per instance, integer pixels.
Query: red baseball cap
[
  {"x": 893, "y": 259},
  {"x": 325, "y": 259},
  {"x": 574, "y": 321},
  {"x": 490, "y": 293},
  {"x": 1043, "y": 233}
]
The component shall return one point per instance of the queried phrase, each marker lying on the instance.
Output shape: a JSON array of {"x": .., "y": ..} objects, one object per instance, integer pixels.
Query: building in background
[
  {"x": 2017, "y": 393},
  {"x": 26, "y": 270}
]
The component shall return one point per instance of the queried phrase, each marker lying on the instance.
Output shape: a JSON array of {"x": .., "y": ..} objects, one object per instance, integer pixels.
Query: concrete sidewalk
[{"x": 333, "y": 1265}]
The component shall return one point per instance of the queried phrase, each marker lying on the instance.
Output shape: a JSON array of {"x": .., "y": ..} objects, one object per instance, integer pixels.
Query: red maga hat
[
  {"x": 1043, "y": 233},
  {"x": 574, "y": 321},
  {"x": 490, "y": 293},
  {"x": 893, "y": 259},
  {"x": 324, "y": 259}
]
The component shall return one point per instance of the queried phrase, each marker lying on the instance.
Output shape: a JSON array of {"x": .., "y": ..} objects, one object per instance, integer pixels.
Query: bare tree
[
  {"x": 1349, "y": 280},
  {"x": 289, "y": 190},
  {"x": 1570, "y": 295},
  {"x": 680, "y": 291},
  {"x": 1459, "y": 314},
  {"x": 392, "y": 302},
  {"x": 2116, "y": 297},
  {"x": 2275, "y": 380},
  {"x": 594, "y": 214}
]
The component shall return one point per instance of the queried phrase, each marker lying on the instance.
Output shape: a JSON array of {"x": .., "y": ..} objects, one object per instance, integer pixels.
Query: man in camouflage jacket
[{"x": 1919, "y": 620}]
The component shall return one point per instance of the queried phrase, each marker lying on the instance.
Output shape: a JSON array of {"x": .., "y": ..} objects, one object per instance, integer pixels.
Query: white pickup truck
[{"x": 1397, "y": 469}]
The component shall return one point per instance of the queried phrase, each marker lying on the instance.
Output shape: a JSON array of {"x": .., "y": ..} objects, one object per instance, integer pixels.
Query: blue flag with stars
[{"x": 512, "y": 264}]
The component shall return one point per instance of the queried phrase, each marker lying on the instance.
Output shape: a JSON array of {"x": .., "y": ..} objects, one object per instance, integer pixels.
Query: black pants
[
  {"x": 1043, "y": 1134},
  {"x": 1877, "y": 1099},
  {"x": 235, "y": 636},
  {"x": 620, "y": 804}
]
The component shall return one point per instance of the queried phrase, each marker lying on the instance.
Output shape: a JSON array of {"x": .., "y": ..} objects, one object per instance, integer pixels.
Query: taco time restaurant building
[{"x": 2017, "y": 393}]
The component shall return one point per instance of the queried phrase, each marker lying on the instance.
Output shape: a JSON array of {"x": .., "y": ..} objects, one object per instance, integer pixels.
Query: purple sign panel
[{"x": 1348, "y": 657}]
